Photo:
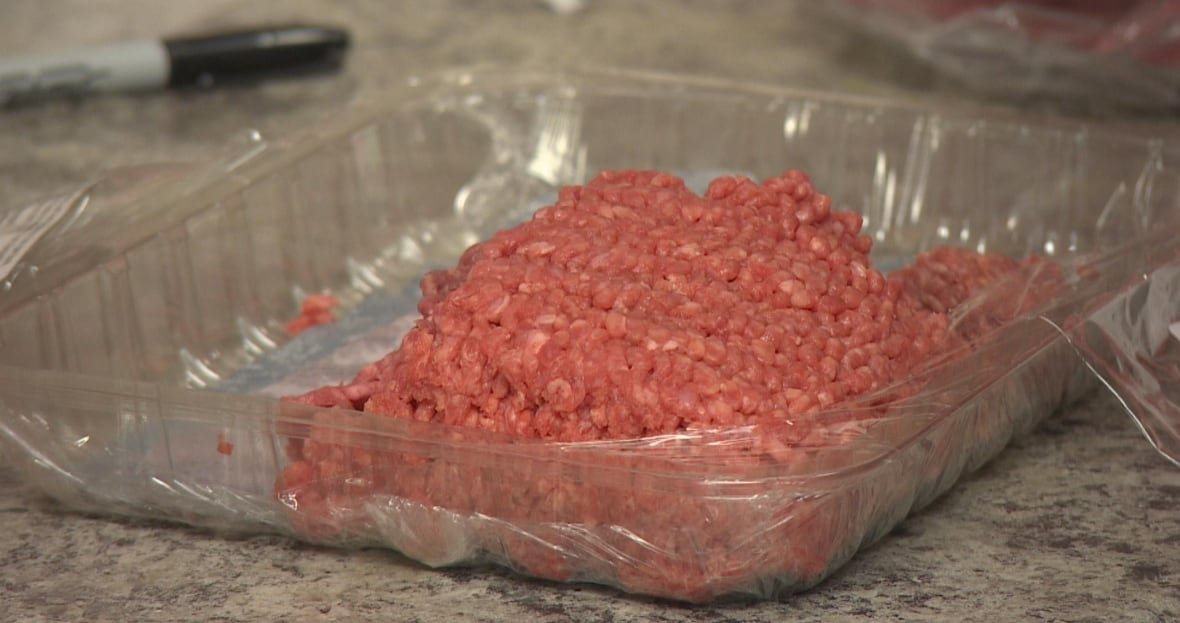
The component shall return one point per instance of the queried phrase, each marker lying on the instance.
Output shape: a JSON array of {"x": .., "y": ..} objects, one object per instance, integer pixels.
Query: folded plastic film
[{"x": 1131, "y": 340}]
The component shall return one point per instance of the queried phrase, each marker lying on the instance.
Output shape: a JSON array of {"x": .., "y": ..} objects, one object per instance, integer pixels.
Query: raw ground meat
[
  {"x": 634, "y": 307},
  {"x": 315, "y": 310},
  {"x": 631, "y": 308}
]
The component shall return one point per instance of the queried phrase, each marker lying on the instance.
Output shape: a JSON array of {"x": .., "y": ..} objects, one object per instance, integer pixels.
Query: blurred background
[{"x": 902, "y": 50}]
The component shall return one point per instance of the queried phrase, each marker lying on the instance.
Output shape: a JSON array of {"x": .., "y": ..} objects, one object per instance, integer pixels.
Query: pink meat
[{"x": 633, "y": 307}]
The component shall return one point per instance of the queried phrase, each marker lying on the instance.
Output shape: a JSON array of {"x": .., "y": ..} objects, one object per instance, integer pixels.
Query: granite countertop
[{"x": 1078, "y": 521}]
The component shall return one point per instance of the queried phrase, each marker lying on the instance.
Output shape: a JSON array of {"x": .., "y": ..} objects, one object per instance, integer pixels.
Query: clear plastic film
[
  {"x": 1130, "y": 336},
  {"x": 139, "y": 376},
  {"x": 1109, "y": 51}
]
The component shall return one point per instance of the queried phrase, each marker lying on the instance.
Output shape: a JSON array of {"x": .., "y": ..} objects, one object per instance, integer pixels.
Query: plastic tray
[{"x": 124, "y": 329}]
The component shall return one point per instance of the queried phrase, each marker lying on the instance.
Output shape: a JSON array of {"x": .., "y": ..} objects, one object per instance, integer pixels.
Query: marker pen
[{"x": 151, "y": 64}]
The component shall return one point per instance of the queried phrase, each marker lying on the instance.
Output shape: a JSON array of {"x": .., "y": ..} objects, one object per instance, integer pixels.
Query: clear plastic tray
[{"x": 126, "y": 332}]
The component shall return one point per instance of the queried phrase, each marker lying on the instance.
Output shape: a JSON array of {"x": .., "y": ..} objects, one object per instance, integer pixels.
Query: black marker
[{"x": 149, "y": 65}]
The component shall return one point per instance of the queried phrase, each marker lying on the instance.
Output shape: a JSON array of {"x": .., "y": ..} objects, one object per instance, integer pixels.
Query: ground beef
[
  {"x": 314, "y": 310},
  {"x": 633, "y": 307}
]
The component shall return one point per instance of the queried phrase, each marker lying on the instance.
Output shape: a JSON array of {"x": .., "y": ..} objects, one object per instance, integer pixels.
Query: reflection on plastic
[
  {"x": 1131, "y": 342},
  {"x": 20, "y": 229}
]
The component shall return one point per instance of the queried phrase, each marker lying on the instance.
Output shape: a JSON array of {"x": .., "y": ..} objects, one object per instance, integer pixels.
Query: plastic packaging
[
  {"x": 1112, "y": 52},
  {"x": 1129, "y": 334},
  {"x": 141, "y": 343}
]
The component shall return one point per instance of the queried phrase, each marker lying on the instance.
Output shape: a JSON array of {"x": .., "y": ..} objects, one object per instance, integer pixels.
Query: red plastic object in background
[
  {"x": 1147, "y": 31},
  {"x": 1095, "y": 51}
]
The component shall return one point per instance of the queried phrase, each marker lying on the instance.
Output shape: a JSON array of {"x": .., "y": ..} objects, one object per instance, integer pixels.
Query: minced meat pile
[{"x": 634, "y": 307}]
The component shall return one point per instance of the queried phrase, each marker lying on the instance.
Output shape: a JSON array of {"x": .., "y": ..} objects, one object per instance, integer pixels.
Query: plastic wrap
[
  {"x": 1129, "y": 334},
  {"x": 142, "y": 345},
  {"x": 1100, "y": 51}
]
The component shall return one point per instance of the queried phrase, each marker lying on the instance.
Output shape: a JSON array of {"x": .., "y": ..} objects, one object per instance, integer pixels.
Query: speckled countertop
[{"x": 1079, "y": 521}]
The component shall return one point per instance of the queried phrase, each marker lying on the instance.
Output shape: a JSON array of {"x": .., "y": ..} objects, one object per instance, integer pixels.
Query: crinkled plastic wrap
[
  {"x": 1115, "y": 52},
  {"x": 143, "y": 341}
]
